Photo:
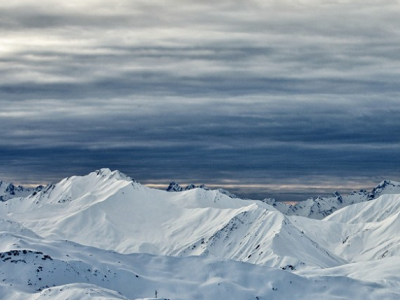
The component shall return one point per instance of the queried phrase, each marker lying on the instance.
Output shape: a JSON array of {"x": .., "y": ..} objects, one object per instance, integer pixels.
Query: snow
[
  {"x": 112, "y": 212},
  {"x": 105, "y": 236},
  {"x": 321, "y": 207},
  {"x": 10, "y": 191},
  {"x": 62, "y": 269}
]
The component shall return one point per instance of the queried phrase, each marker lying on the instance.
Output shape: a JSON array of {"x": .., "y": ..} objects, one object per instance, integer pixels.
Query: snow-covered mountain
[
  {"x": 9, "y": 191},
  {"x": 321, "y": 207},
  {"x": 175, "y": 187},
  {"x": 110, "y": 211},
  {"x": 106, "y": 236},
  {"x": 35, "y": 268}
]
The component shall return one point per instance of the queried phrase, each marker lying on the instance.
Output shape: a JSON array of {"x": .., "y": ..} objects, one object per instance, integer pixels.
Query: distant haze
[{"x": 284, "y": 99}]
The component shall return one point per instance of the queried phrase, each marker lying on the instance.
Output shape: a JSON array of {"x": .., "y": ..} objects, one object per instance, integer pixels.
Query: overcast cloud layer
[{"x": 284, "y": 99}]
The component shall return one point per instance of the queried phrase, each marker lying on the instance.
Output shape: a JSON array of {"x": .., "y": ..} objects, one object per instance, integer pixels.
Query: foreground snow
[
  {"x": 64, "y": 270},
  {"x": 104, "y": 236}
]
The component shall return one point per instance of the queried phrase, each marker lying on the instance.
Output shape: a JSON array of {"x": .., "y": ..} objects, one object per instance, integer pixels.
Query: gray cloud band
[{"x": 262, "y": 91}]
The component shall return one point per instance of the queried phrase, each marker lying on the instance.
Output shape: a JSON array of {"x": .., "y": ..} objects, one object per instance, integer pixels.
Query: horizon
[
  {"x": 283, "y": 193},
  {"x": 266, "y": 96}
]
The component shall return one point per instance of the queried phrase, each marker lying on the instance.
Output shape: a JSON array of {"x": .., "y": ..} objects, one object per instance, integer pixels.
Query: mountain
[
  {"x": 106, "y": 236},
  {"x": 110, "y": 211},
  {"x": 36, "y": 268},
  {"x": 365, "y": 234},
  {"x": 9, "y": 191},
  {"x": 175, "y": 187},
  {"x": 321, "y": 207}
]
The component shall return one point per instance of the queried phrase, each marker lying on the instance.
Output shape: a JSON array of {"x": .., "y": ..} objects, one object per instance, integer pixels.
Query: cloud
[{"x": 256, "y": 91}]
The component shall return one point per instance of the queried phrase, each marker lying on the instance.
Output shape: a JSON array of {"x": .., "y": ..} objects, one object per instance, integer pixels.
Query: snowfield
[{"x": 106, "y": 236}]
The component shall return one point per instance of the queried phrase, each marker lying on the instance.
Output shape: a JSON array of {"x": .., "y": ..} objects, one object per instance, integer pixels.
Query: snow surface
[
  {"x": 321, "y": 207},
  {"x": 9, "y": 190},
  {"x": 105, "y": 236}
]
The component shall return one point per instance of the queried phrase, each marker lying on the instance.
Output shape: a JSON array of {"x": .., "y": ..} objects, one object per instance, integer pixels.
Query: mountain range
[
  {"x": 106, "y": 236},
  {"x": 315, "y": 208},
  {"x": 9, "y": 190}
]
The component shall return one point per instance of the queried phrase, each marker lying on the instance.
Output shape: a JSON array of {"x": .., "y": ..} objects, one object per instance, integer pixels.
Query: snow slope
[
  {"x": 361, "y": 232},
  {"x": 110, "y": 211},
  {"x": 34, "y": 268},
  {"x": 384, "y": 207},
  {"x": 321, "y": 207},
  {"x": 105, "y": 236}
]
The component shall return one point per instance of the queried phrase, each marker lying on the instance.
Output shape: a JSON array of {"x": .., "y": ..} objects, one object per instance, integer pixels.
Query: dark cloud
[
  {"x": 260, "y": 96},
  {"x": 285, "y": 165},
  {"x": 210, "y": 144}
]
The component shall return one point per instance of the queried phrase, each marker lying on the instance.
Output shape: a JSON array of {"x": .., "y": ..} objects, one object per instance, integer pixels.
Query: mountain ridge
[
  {"x": 193, "y": 222},
  {"x": 105, "y": 236},
  {"x": 316, "y": 208},
  {"x": 8, "y": 190}
]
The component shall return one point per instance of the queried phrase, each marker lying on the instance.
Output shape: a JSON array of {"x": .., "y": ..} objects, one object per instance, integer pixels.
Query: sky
[{"x": 286, "y": 99}]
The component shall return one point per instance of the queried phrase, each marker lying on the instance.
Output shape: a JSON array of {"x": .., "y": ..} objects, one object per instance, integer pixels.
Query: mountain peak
[
  {"x": 387, "y": 182},
  {"x": 387, "y": 187},
  {"x": 9, "y": 190},
  {"x": 229, "y": 194},
  {"x": 103, "y": 171},
  {"x": 175, "y": 187},
  {"x": 106, "y": 172}
]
